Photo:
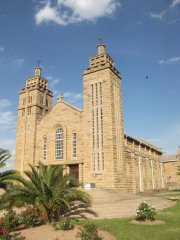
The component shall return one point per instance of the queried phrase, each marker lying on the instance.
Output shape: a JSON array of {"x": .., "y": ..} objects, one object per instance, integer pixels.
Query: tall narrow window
[
  {"x": 24, "y": 101},
  {"x": 41, "y": 99},
  {"x": 29, "y": 110},
  {"x": 30, "y": 99},
  {"x": 44, "y": 148},
  {"x": 97, "y": 127},
  {"x": 23, "y": 112},
  {"x": 46, "y": 102},
  {"x": 96, "y": 95},
  {"x": 74, "y": 144},
  {"x": 92, "y": 91},
  {"x": 59, "y": 142},
  {"x": 100, "y": 84}
]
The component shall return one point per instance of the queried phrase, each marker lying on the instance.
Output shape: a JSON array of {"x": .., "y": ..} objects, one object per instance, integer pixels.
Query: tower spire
[
  {"x": 38, "y": 69},
  {"x": 101, "y": 46}
]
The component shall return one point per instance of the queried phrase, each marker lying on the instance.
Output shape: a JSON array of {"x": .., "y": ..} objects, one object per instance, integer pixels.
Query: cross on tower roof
[
  {"x": 60, "y": 97},
  {"x": 100, "y": 38},
  {"x": 38, "y": 63}
]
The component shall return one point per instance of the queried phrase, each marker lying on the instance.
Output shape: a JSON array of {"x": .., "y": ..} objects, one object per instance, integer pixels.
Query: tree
[
  {"x": 46, "y": 189},
  {"x": 6, "y": 175},
  {"x": 4, "y": 156}
]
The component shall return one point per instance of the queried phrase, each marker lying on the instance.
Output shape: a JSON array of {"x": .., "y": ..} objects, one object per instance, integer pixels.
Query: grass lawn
[{"x": 124, "y": 230}]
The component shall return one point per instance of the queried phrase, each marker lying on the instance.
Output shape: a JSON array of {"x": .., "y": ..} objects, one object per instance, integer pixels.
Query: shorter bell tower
[{"x": 35, "y": 100}]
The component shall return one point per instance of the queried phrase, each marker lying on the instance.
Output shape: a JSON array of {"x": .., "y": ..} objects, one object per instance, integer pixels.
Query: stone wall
[
  {"x": 171, "y": 178},
  {"x": 144, "y": 171}
]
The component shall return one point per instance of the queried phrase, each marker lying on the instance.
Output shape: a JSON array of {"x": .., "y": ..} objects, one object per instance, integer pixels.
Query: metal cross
[
  {"x": 100, "y": 40},
  {"x": 60, "y": 97},
  {"x": 38, "y": 63}
]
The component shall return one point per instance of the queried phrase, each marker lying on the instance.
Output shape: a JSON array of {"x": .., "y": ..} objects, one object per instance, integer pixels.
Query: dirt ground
[{"x": 47, "y": 232}]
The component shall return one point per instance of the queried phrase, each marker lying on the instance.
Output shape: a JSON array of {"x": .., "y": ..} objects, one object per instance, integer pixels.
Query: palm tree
[
  {"x": 6, "y": 175},
  {"x": 46, "y": 189},
  {"x": 4, "y": 156}
]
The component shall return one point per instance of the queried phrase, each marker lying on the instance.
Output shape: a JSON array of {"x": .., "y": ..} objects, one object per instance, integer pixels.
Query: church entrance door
[{"x": 74, "y": 171}]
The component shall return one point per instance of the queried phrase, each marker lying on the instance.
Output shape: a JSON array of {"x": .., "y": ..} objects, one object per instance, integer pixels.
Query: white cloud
[
  {"x": 49, "y": 77},
  {"x": 9, "y": 164},
  {"x": 174, "y": 21},
  {"x": 74, "y": 98},
  {"x": 139, "y": 22},
  {"x": 7, "y": 118},
  {"x": 72, "y": 11},
  {"x": 55, "y": 81},
  {"x": 175, "y": 3},
  {"x": 49, "y": 14},
  {"x": 158, "y": 16},
  {"x": 8, "y": 144},
  {"x": 19, "y": 61},
  {"x": 55, "y": 93},
  {"x": 4, "y": 103},
  {"x": 7, "y": 130},
  {"x": 52, "y": 81},
  {"x": 2, "y": 49},
  {"x": 11, "y": 62},
  {"x": 173, "y": 60}
]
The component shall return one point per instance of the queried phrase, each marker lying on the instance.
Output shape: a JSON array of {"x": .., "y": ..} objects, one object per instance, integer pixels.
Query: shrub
[
  {"x": 145, "y": 212},
  {"x": 10, "y": 220},
  {"x": 17, "y": 236},
  {"x": 6, "y": 235},
  {"x": 28, "y": 217},
  {"x": 89, "y": 232},
  {"x": 64, "y": 224}
]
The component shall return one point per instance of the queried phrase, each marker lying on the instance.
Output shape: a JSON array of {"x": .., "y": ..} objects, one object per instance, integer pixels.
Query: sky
[{"x": 142, "y": 36}]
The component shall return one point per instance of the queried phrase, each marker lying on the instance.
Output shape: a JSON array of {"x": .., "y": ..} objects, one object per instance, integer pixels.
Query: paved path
[{"x": 108, "y": 203}]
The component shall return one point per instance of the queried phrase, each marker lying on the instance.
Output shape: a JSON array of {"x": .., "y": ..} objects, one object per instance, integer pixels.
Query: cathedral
[{"x": 90, "y": 143}]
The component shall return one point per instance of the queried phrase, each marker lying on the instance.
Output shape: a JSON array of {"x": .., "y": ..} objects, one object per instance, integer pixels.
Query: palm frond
[{"x": 45, "y": 188}]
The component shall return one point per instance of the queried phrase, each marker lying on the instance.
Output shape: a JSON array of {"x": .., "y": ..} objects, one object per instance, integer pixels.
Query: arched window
[
  {"x": 59, "y": 139},
  {"x": 44, "y": 148}
]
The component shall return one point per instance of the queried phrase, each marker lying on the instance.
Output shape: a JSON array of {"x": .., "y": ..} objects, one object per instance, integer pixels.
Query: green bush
[
  {"x": 10, "y": 220},
  {"x": 64, "y": 224},
  {"x": 89, "y": 232},
  {"x": 145, "y": 212},
  {"x": 5, "y": 233},
  {"x": 28, "y": 217}
]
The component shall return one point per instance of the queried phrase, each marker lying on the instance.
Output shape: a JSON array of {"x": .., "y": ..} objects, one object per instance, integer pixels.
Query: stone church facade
[{"x": 90, "y": 143}]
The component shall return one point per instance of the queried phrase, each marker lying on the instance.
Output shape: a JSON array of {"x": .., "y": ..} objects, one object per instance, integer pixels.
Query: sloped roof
[{"x": 145, "y": 143}]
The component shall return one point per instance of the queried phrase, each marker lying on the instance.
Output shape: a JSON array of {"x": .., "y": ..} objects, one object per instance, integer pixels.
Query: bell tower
[
  {"x": 35, "y": 100},
  {"x": 103, "y": 122}
]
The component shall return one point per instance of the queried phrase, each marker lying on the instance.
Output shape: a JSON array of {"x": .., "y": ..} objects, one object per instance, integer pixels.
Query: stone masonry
[{"x": 90, "y": 143}]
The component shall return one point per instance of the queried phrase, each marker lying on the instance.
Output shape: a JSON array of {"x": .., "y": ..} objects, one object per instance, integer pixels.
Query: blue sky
[{"x": 142, "y": 36}]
